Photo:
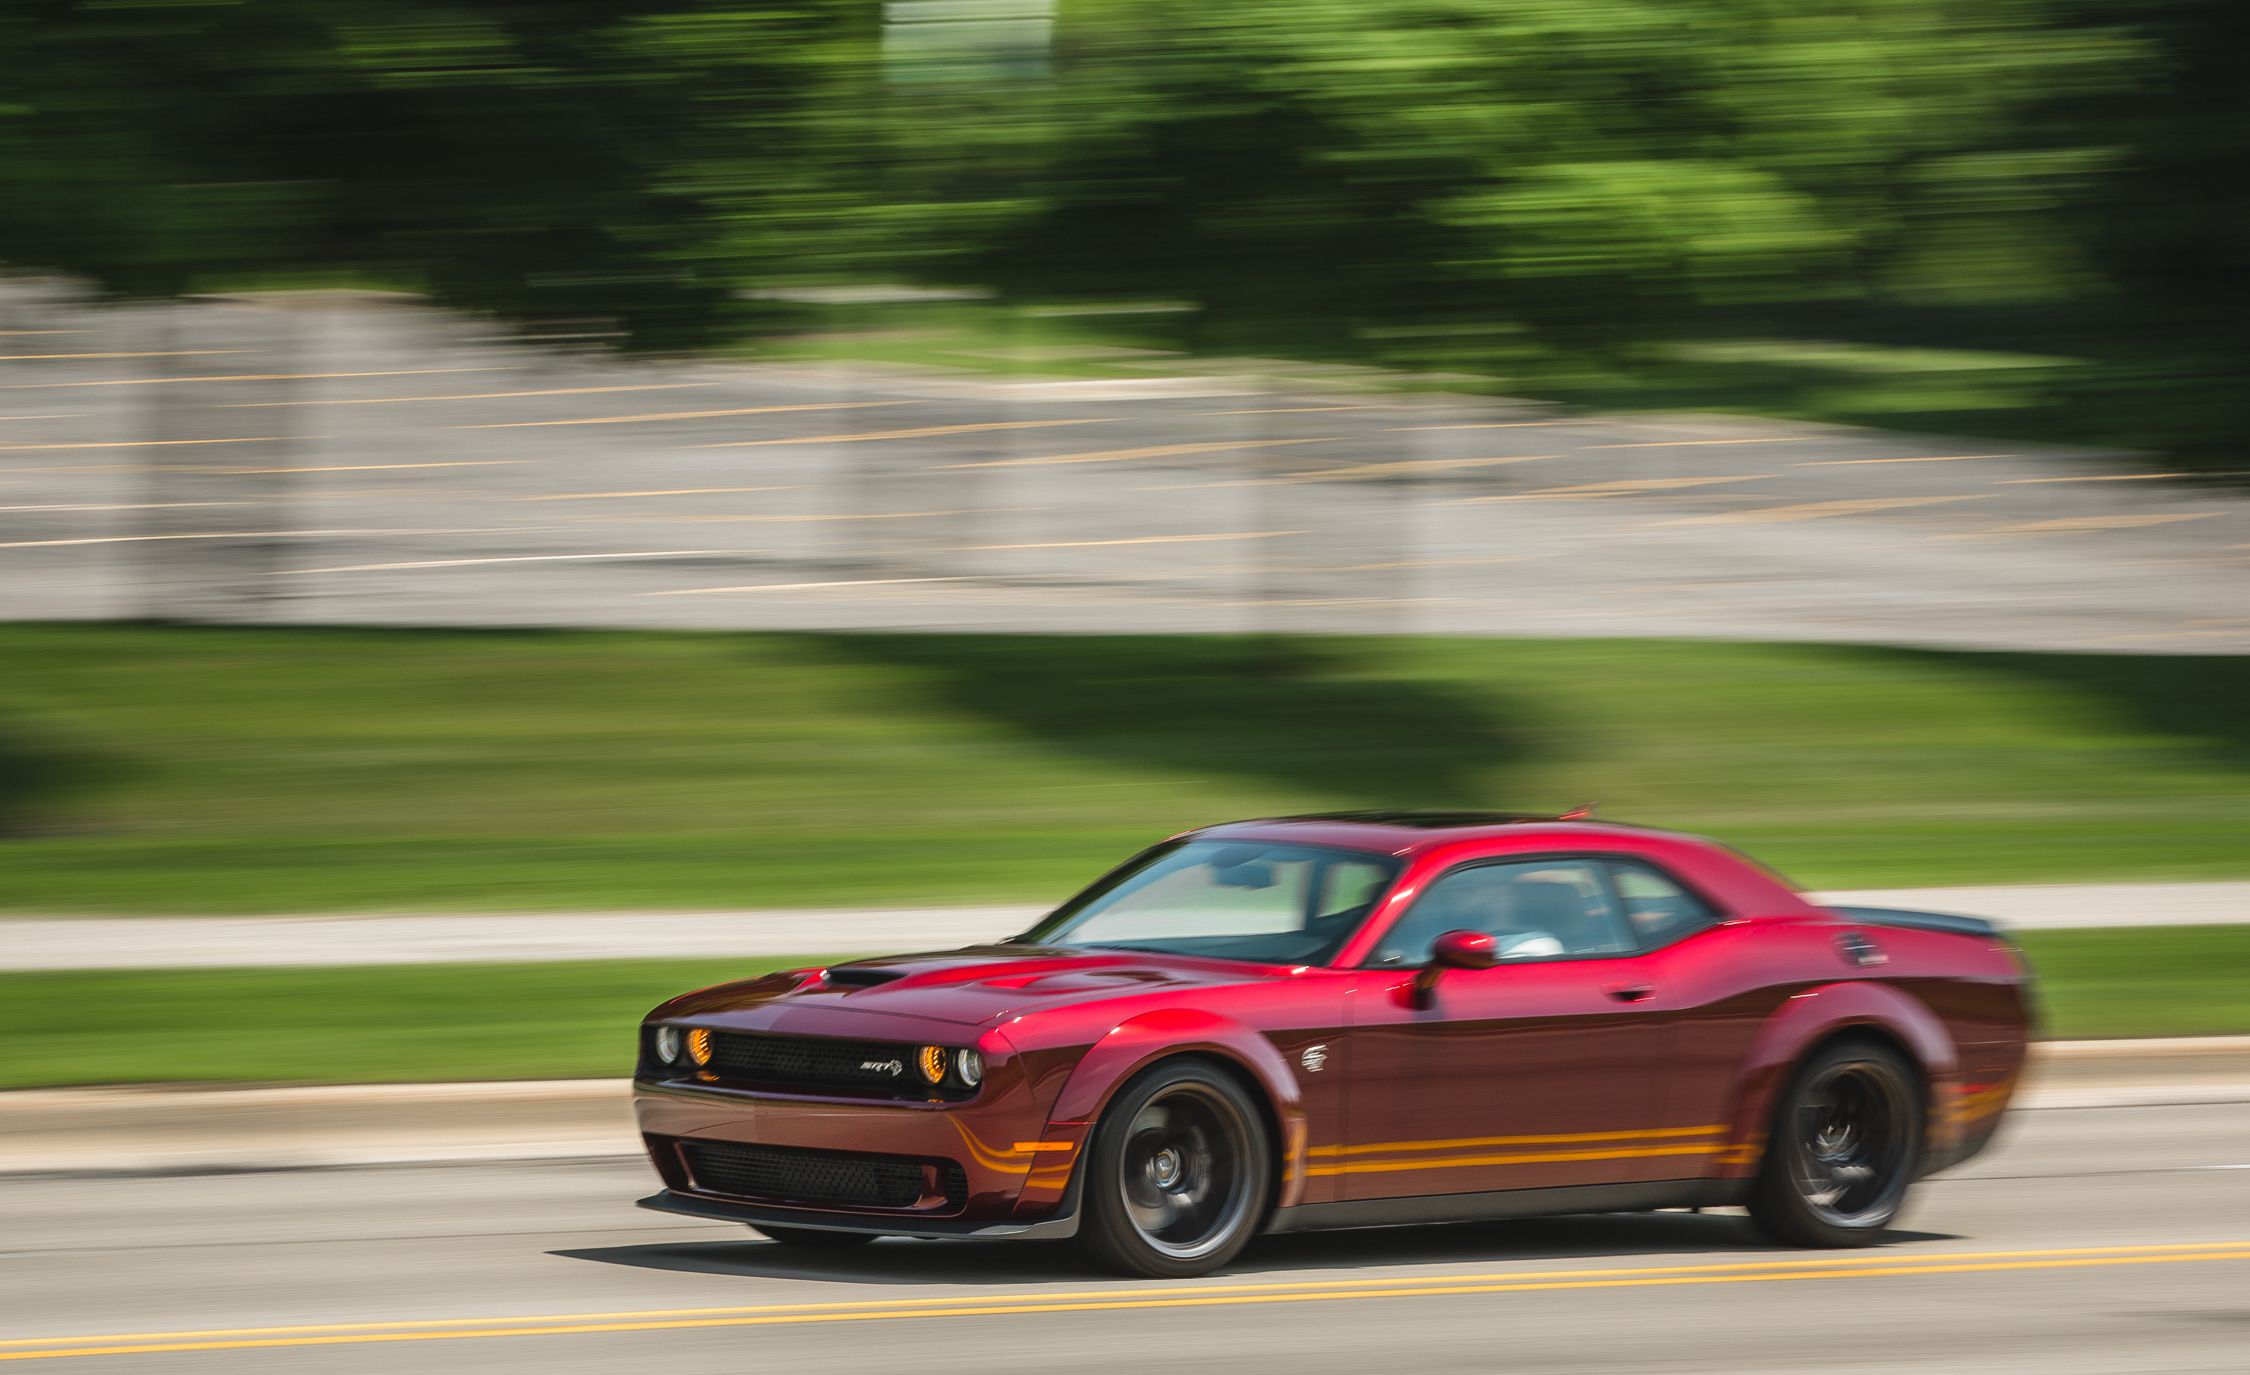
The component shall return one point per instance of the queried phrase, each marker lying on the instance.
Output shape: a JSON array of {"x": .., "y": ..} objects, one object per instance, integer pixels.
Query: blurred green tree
[
  {"x": 1597, "y": 173},
  {"x": 530, "y": 158}
]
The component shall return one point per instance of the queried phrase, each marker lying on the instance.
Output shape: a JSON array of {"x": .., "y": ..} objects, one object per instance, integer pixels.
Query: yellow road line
[
  {"x": 1141, "y": 539},
  {"x": 2071, "y": 525},
  {"x": 134, "y": 444},
  {"x": 803, "y": 586},
  {"x": 252, "y": 377},
  {"x": 257, "y": 534},
  {"x": 120, "y": 506},
  {"x": 365, "y": 467},
  {"x": 1129, "y": 455},
  {"x": 455, "y": 396},
  {"x": 1476, "y": 1142},
  {"x": 1704, "y": 443},
  {"x": 1195, "y": 1296},
  {"x": 1864, "y": 1260},
  {"x": 681, "y": 415},
  {"x": 1926, "y": 458},
  {"x": 1812, "y": 510},
  {"x": 1631, "y": 486},
  {"x": 924, "y": 432},
  {"x": 504, "y": 558},
  {"x": 1410, "y": 465},
  {"x": 651, "y": 492},
  {"x": 777, "y": 517},
  {"x": 1486, "y": 425},
  {"x": 1295, "y": 410},
  {"x": 160, "y": 353},
  {"x": 2089, "y": 477}
]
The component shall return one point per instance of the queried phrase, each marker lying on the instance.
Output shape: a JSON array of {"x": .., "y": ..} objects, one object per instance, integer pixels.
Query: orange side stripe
[
  {"x": 1475, "y": 1142},
  {"x": 1537, "y": 1158}
]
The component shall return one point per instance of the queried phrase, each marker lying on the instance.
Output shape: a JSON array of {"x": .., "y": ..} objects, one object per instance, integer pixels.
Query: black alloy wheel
[
  {"x": 1846, "y": 1145},
  {"x": 1178, "y": 1175}
]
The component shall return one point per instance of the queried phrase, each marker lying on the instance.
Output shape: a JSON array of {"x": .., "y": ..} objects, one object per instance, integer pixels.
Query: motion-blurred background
[
  {"x": 519, "y": 456},
  {"x": 525, "y": 455},
  {"x": 512, "y": 509}
]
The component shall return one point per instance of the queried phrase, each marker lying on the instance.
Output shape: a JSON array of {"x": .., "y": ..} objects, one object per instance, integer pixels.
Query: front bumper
[{"x": 1016, "y": 1173}]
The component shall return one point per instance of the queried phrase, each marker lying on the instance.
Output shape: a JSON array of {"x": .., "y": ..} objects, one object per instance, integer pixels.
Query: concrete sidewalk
[
  {"x": 189, "y": 1130},
  {"x": 222, "y": 942}
]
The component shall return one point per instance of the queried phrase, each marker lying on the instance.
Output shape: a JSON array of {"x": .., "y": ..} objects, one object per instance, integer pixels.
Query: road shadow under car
[{"x": 907, "y": 1261}]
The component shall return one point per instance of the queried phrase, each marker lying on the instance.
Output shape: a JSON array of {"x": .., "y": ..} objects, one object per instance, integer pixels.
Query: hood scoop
[{"x": 860, "y": 976}]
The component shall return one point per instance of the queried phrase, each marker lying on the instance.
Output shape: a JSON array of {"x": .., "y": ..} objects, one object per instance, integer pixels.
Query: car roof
[{"x": 1403, "y": 832}]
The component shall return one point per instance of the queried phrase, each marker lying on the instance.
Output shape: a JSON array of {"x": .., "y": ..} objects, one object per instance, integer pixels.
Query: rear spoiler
[{"x": 1919, "y": 921}]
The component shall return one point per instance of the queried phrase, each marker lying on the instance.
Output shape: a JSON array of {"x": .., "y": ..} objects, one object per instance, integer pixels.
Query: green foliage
[
  {"x": 1597, "y": 171},
  {"x": 2163, "y": 981},
  {"x": 1549, "y": 187},
  {"x": 544, "y": 160}
]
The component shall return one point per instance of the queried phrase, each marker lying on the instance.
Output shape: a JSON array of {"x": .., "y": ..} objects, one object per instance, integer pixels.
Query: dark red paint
[{"x": 1389, "y": 1086}]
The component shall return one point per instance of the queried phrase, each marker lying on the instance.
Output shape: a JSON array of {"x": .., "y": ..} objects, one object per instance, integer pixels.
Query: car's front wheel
[
  {"x": 1846, "y": 1144},
  {"x": 1177, "y": 1178}
]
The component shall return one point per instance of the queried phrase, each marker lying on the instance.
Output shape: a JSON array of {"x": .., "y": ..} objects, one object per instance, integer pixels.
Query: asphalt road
[
  {"x": 2093, "y": 1240},
  {"x": 378, "y": 463}
]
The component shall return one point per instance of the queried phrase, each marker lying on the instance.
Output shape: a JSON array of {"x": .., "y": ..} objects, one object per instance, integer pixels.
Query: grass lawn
[
  {"x": 2155, "y": 981},
  {"x": 171, "y": 770},
  {"x": 434, "y": 1022}
]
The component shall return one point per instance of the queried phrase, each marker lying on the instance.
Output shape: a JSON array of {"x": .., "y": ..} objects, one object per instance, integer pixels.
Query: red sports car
[{"x": 1351, "y": 1020}]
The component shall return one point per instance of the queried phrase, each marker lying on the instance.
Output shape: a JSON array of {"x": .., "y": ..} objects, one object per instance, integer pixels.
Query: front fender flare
[
  {"x": 1812, "y": 1016},
  {"x": 1135, "y": 1044}
]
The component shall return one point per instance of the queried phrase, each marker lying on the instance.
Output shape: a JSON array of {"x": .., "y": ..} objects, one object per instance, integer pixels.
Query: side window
[
  {"x": 1659, "y": 910},
  {"x": 1533, "y": 909}
]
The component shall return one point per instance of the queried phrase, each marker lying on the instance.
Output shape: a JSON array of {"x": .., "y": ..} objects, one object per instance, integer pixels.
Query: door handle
[{"x": 1630, "y": 993}]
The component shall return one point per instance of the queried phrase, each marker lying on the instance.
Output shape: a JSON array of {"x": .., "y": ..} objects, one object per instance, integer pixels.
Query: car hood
[{"x": 975, "y": 986}]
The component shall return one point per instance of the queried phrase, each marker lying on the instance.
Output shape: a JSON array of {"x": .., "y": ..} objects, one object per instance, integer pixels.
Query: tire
[
  {"x": 1846, "y": 1146},
  {"x": 1177, "y": 1180},
  {"x": 815, "y": 1239}
]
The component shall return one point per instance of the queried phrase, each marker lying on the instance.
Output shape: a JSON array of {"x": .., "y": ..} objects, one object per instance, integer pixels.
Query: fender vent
[{"x": 1860, "y": 950}]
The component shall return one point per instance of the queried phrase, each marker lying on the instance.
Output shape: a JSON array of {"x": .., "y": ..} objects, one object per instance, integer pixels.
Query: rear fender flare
[
  {"x": 1814, "y": 1015},
  {"x": 1141, "y": 1041}
]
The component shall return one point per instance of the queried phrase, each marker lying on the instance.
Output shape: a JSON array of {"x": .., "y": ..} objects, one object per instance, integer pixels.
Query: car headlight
[
  {"x": 931, "y": 1061},
  {"x": 668, "y": 1044},
  {"x": 969, "y": 1065}
]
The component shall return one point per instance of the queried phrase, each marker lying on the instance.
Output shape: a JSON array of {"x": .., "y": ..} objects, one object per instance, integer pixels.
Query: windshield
[{"x": 1235, "y": 900}]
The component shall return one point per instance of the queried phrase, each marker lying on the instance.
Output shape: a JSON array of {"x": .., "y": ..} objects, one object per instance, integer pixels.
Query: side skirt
[{"x": 1507, "y": 1203}]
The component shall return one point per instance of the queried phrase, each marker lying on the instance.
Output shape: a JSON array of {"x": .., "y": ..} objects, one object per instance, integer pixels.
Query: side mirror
[{"x": 1453, "y": 950}]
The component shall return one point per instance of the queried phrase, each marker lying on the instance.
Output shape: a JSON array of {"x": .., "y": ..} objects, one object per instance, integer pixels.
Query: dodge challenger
[{"x": 1351, "y": 1020}]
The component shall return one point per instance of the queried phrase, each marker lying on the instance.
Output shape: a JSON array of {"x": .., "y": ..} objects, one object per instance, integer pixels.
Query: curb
[{"x": 173, "y": 1130}]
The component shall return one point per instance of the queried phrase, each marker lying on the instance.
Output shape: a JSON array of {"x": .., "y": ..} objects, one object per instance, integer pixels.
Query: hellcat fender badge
[{"x": 1314, "y": 1059}]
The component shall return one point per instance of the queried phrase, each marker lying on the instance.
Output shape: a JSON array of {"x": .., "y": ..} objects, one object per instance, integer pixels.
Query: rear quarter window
[{"x": 1658, "y": 908}]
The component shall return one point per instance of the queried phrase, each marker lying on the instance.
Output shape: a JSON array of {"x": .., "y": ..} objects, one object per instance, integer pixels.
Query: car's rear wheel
[
  {"x": 1176, "y": 1181},
  {"x": 815, "y": 1238},
  {"x": 1845, "y": 1147}
]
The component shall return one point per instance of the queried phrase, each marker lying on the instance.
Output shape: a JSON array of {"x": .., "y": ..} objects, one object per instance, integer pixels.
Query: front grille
[
  {"x": 786, "y": 1174},
  {"x": 819, "y": 1064}
]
